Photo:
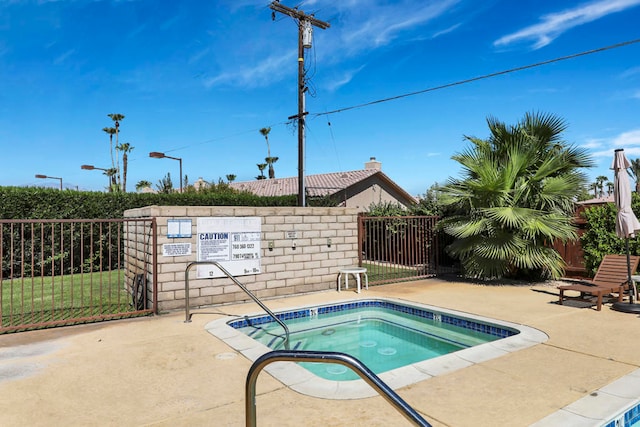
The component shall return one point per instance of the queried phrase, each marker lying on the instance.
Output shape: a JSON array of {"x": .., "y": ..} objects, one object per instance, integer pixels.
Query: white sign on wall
[
  {"x": 179, "y": 228},
  {"x": 232, "y": 241},
  {"x": 176, "y": 249}
]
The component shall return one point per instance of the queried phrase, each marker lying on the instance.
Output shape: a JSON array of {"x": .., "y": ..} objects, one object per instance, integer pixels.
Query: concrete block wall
[{"x": 326, "y": 240}]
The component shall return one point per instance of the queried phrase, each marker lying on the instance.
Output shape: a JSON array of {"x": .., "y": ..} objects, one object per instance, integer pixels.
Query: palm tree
[
  {"x": 600, "y": 181},
  {"x": 165, "y": 185},
  {"x": 111, "y": 173},
  {"x": 270, "y": 160},
  {"x": 515, "y": 199},
  {"x": 142, "y": 184},
  {"x": 126, "y": 148},
  {"x": 261, "y": 167},
  {"x": 609, "y": 185},
  {"x": 634, "y": 172},
  {"x": 231, "y": 177},
  {"x": 111, "y": 132},
  {"x": 117, "y": 118},
  {"x": 594, "y": 186}
]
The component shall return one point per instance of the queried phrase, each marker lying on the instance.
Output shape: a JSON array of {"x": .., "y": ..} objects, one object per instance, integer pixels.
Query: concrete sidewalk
[{"x": 160, "y": 371}]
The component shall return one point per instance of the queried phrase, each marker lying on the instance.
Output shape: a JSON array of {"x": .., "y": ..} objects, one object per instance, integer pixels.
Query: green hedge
[
  {"x": 600, "y": 236},
  {"x": 44, "y": 203}
]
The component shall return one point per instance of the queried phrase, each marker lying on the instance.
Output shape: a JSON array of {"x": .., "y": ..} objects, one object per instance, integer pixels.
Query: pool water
[{"x": 383, "y": 335}]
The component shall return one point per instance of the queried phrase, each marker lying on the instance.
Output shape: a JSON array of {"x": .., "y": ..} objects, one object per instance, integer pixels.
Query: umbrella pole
[{"x": 632, "y": 285}]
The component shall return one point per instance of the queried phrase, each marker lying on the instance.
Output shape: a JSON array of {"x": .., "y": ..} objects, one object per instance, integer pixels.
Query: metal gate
[
  {"x": 61, "y": 272},
  {"x": 399, "y": 247}
]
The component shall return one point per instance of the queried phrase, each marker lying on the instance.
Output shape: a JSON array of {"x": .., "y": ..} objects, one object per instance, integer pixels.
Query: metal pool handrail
[
  {"x": 244, "y": 288},
  {"x": 325, "y": 357}
]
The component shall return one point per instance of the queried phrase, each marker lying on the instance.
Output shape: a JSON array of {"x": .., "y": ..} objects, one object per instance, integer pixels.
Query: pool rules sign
[{"x": 234, "y": 242}]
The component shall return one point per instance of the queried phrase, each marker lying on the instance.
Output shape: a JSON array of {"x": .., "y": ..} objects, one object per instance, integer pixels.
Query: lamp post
[
  {"x": 50, "y": 177},
  {"x": 158, "y": 155},
  {"x": 91, "y": 167}
]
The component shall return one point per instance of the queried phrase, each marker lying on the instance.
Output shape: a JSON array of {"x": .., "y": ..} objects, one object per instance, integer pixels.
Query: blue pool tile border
[
  {"x": 631, "y": 416},
  {"x": 490, "y": 329}
]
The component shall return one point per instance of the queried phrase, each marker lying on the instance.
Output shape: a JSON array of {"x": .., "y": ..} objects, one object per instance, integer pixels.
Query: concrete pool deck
[{"x": 160, "y": 371}]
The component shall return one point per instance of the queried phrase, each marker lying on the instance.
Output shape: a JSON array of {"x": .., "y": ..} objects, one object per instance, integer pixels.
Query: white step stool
[{"x": 356, "y": 272}]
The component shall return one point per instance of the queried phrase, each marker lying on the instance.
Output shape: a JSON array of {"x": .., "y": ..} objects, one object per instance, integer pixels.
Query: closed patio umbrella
[{"x": 626, "y": 222}]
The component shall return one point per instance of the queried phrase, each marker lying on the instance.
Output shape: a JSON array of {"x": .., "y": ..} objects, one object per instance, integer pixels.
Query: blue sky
[{"x": 198, "y": 79}]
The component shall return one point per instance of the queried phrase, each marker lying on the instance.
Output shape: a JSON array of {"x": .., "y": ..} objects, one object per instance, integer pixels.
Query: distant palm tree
[
  {"x": 126, "y": 148},
  {"x": 270, "y": 160},
  {"x": 261, "y": 167},
  {"x": 231, "y": 177},
  {"x": 601, "y": 180},
  {"x": 142, "y": 184},
  {"x": 165, "y": 185},
  {"x": 634, "y": 172},
  {"x": 111, "y": 173},
  {"x": 117, "y": 118},
  {"x": 609, "y": 185},
  {"x": 594, "y": 186},
  {"x": 111, "y": 132}
]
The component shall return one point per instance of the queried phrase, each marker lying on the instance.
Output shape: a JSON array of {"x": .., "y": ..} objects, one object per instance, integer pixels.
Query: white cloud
[
  {"x": 382, "y": 25},
  {"x": 554, "y": 24},
  {"x": 630, "y": 73},
  {"x": 593, "y": 143},
  {"x": 344, "y": 79},
  {"x": 62, "y": 58},
  {"x": 446, "y": 30},
  {"x": 629, "y": 141},
  {"x": 269, "y": 70}
]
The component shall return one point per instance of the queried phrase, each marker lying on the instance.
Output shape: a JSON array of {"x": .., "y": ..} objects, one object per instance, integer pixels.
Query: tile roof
[
  {"x": 598, "y": 201},
  {"x": 317, "y": 185}
]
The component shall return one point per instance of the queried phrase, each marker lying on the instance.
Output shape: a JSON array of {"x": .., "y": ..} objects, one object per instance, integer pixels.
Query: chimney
[{"x": 373, "y": 164}]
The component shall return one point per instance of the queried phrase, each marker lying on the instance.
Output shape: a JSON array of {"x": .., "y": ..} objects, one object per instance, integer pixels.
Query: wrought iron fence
[
  {"x": 400, "y": 248},
  {"x": 57, "y": 272}
]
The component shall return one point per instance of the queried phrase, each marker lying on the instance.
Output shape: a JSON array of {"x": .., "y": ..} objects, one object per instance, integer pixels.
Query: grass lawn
[
  {"x": 378, "y": 272},
  {"x": 48, "y": 299}
]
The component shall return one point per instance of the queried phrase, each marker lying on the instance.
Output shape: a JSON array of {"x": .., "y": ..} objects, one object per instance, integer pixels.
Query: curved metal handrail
[
  {"x": 243, "y": 287},
  {"x": 325, "y": 357}
]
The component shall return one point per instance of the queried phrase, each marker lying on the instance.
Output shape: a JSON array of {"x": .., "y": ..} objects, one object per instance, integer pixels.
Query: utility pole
[{"x": 305, "y": 31}]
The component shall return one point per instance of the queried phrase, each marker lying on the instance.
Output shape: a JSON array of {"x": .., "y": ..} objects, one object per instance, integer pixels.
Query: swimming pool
[
  {"x": 390, "y": 336},
  {"x": 381, "y": 334}
]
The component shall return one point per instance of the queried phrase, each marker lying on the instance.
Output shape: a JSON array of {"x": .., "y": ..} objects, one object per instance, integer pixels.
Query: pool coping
[
  {"x": 600, "y": 408},
  {"x": 303, "y": 381}
]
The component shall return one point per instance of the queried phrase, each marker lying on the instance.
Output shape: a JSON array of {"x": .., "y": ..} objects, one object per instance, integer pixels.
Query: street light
[
  {"x": 50, "y": 177},
  {"x": 91, "y": 167},
  {"x": 158, "y": 155}
]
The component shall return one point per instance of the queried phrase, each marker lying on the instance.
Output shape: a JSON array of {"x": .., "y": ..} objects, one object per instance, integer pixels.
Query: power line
[
  {"x": 432, "y": 89},
  {"x": 483, "y": 77},
  {"x": 220, "y": 138}
]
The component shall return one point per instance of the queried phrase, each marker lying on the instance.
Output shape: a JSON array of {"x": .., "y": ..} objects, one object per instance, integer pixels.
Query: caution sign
[{"x": 234, "y": 242}]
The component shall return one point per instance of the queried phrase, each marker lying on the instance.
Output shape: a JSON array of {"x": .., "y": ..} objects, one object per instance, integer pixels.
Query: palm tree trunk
[
  {"x": 113, "y": 165},
  {"x": 124, "y": 172}
]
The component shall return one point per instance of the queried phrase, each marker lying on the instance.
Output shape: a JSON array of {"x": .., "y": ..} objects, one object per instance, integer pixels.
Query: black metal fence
[
  {"x": 401, "y": 248},
  {"x": 59, "y": 272}
]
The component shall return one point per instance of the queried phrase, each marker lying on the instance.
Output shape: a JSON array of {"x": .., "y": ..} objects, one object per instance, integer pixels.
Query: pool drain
[
  {"x": 369, "y": 343},
  {"x": 387, "y": 351},
  {"x": 329, "y": 331}
]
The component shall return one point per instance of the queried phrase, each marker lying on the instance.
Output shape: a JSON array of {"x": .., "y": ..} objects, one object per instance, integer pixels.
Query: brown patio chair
[{"x": 611, "y": 277}]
